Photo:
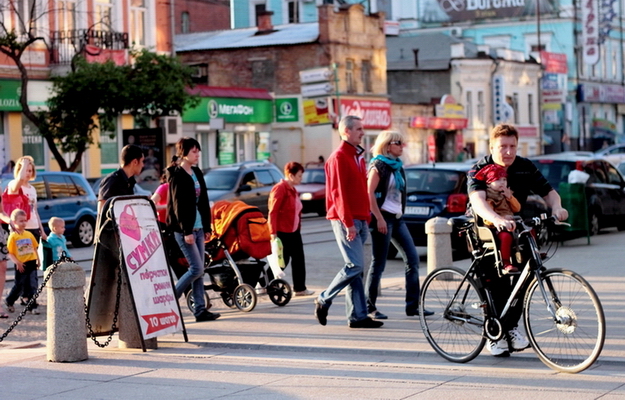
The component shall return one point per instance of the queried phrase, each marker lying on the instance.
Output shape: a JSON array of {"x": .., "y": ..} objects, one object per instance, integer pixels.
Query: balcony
[{"x": 65, "y": 44}]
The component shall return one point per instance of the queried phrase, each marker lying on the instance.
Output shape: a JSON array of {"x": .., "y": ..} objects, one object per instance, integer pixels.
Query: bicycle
[{"x": 563, "y": 316}]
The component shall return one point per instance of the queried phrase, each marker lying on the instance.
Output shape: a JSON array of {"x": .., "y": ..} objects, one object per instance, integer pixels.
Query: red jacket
[
  {"x": 282, "y": 208},
  {"x": 346, "y": 186}
]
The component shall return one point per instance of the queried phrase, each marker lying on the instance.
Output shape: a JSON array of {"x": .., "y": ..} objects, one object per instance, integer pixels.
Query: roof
[
  {"x": 434, "y": 51},
  {"x": 288, "y": 34},
  {"x": 235, "y": 92}
]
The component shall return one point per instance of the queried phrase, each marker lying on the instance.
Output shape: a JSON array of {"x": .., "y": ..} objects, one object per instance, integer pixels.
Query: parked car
[
  {"x": 435, "y": 190},
  {"x": 621, "y": 168},
  {"x": 67, "y": 195},
  {"x": 605, "y": 189},
  {"x": 249, "y": 181},
  {"x": 312, "y": 190},
  {"x": 615, "y": 153},
  {"x": 138, "y": 189}
]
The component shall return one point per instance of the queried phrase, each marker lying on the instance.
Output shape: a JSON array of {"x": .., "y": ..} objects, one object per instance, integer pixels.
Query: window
[
  {"x": 469, "y": 107},
  {"x": 530, "y": 108},
  {"x": 366, "y": 76},
  {"x": 349, "y": 76},
  {"x": 103, "y": 14},
  {"x": 514, "y": 103},
  {"x": 66, "y": 15},
  {"x": 480, "y": 107},
  {"x": 264, "y": 177},
  {"x": 293, "y": 12},
  {"x": 263, "y": 74},
  {"x": 30, "y": 15},
  {"x": 258, "y": 9},
  {"x": 61, "y": 186},
  {"x": 137, "y": 22},
  {"x": 200, "y": 73},
  {"x": 185, "y": 24},
  {"x": 613, "y": 176}
]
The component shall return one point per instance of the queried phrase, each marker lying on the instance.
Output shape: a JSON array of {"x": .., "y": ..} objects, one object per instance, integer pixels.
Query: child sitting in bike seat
[{"x": 500, "y": 198}]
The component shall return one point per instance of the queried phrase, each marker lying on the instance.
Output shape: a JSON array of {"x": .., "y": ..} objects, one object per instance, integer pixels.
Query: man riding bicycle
[{"x": 523, "y": 179}]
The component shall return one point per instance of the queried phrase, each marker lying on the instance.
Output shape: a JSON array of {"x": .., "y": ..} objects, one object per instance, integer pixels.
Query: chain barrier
[{"x": 34, "y": 297}]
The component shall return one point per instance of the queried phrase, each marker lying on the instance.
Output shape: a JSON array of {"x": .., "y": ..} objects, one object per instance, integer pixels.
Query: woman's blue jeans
[
  {"x": 350, "y": 275},
  {"x": 194, "y": 253},
  {"x": 398, "y": 234}
]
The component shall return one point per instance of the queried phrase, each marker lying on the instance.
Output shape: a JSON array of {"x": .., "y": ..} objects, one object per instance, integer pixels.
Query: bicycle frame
[{"x": 533, "y": 268}]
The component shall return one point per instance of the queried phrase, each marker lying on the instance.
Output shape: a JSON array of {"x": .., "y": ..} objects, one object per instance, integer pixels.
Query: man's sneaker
[
  {"x": 517, "y": 340},
  {"x": 498, "y": 348}
]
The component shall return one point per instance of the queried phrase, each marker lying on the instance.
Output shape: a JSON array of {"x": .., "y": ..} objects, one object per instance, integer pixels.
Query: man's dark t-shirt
[
  {"x": 523, "y": 178},
  {"x": 116, "y": 184}
]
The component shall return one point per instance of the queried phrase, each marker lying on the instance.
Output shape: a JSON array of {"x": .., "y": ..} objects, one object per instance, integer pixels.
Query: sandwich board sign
[{"x": 129, "y": 238}]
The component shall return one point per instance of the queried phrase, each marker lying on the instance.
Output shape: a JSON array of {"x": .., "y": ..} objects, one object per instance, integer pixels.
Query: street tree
[{"x": 93, "y": 95}]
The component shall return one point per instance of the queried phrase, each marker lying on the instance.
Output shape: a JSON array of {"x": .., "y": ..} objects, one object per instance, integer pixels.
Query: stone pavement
[{"x": 283, "y": 353}]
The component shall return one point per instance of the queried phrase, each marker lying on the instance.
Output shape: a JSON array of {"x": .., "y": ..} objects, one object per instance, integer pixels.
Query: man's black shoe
[
  {"x": 413, "y": 313},
  {"x": 366, "y": 323},
  {"x": 207, "y": 316},
  {"x": 321, "y": 313}
]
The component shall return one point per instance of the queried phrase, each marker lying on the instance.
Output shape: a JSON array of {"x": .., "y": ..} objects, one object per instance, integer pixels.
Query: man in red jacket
[{"x": 348, "y": 211}]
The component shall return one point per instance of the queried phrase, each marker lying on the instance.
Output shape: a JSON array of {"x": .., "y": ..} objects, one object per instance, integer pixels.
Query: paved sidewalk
[{"x": 283, "y": 353}]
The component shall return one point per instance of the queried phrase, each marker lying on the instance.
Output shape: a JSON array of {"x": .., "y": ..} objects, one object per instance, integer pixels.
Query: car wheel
[
  {"x": 83, "y": 232},
  {"x": 593, "y": 223}
]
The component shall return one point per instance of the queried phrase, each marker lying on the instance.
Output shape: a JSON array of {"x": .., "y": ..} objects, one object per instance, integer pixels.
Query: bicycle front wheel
[
  {"x": 455, "y": 331},
  {"x": 572, "y": 340}
]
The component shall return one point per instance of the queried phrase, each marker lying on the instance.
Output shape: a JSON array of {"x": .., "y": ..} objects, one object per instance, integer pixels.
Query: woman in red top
[{"x": 285, "y": 212}]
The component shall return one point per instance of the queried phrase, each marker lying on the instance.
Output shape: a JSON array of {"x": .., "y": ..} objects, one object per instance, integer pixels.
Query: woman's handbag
[
  {"x": 276, "y": 259},
  {"x": 18, "y": 200}
]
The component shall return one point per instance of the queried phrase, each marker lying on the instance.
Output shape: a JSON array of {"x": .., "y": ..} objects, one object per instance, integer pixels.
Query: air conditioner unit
[
  {"x": 456, "y": 32},
  {"x": 172, "y": 127}
]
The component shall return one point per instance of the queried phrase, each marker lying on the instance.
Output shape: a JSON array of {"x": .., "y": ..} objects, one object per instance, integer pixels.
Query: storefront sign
[
  {"x": 554, "y": 62},
  {"x": 446, "y": 124},
  {"x": 527, "y": 131},
  {"x": 590, "y": 31},
  {"x": 466, "y": 10},
  {"x": 449, "y": 111},
  {"x": 375, "y": 114},
  {"x": 287, "y": 110},
  {"x": 253, "y": 111},
  {"x": 601, "y": 93},
  {"x": 316, "y": 111}
]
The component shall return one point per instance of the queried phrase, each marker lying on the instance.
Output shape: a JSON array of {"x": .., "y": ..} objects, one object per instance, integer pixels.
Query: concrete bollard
[
  {"x": 439, "y": 243},
  {"x": 67, "y": 331}
]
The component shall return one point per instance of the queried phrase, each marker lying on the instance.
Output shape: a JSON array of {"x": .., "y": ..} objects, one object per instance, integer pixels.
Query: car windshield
[
  {"x": 220, "y": 180},
  {"x": 314, "y": 176},
  {"x": 431, "y": 181}
]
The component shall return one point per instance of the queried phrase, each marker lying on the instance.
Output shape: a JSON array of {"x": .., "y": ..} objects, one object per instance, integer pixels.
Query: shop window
[
  {"x": 366, "y": 76},
  {"x": 32, "y": 142}
]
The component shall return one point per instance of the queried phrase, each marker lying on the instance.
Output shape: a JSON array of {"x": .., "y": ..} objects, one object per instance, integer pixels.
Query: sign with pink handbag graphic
[{"x": 146, "y": 265}]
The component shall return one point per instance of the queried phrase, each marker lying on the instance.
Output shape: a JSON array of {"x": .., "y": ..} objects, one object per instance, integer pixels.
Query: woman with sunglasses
[{"x": 386, "y": 186}]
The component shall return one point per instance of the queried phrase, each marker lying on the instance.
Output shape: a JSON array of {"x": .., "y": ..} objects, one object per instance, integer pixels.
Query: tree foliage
[{"x": 93, "y": 95}]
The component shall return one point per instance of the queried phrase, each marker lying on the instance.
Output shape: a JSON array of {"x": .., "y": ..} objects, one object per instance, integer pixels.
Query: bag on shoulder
[{"x": 18, "y": 200}]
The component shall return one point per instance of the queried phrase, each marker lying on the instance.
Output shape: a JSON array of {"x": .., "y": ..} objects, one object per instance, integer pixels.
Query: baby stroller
[{"x": 240, "y": 238}]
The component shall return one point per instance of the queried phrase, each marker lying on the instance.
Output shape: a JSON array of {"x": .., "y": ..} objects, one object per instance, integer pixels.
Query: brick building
[{"x": 271, "y": 58}]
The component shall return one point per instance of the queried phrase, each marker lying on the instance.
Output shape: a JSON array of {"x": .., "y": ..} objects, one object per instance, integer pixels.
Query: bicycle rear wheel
[
  {"x": 574, "y": 342},
  {"x": 455, "y": 331}
]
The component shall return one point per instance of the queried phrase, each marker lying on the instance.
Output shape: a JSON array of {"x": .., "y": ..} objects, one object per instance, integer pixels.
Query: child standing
[
  {"x": 500, "y": 198},
  {"x": 56, "y": 240},
  {"x": 22, "y": 247}
]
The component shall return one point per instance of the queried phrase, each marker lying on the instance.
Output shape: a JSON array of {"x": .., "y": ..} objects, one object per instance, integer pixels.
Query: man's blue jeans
[
  {"x": 399, "y": 235},
  {"x": 350, "y": 275},
  {"x": 194, "y": 253}
]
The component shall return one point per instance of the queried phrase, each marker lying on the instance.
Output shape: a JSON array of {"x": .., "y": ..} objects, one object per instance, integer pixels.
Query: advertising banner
[
  {"x": 590, "y": 31},
  {"x": 316, "y": 111},
  {"x": 467, "y": 10},
  {"x": 146, "y": 265},
  {"x": 375, "y": 114}
]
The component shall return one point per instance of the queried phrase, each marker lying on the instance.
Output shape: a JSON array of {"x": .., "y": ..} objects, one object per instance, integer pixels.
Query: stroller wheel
[
  {"x": 244, "y": 297},
  {"x": 228, "y": 299},
  {"x": 191, "y": 304},
  {"x": 279, "y": 292}
]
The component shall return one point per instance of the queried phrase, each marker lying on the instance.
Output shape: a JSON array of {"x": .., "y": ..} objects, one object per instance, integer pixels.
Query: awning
[
  {"x": 446, "y": 124},
  {"x": 230, "y": 92}
]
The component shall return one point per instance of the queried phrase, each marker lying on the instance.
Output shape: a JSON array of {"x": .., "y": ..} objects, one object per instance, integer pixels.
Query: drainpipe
[{"x": 172, "y": 15}]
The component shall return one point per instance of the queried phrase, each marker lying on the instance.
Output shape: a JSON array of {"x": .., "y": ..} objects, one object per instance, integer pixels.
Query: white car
[{"x": 615, "y": 153}]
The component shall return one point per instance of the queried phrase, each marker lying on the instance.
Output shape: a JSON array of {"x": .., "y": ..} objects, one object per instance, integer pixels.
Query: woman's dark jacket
[
  {"x": 385, "y": 172},
  {"x": 182, "y": 201}
]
